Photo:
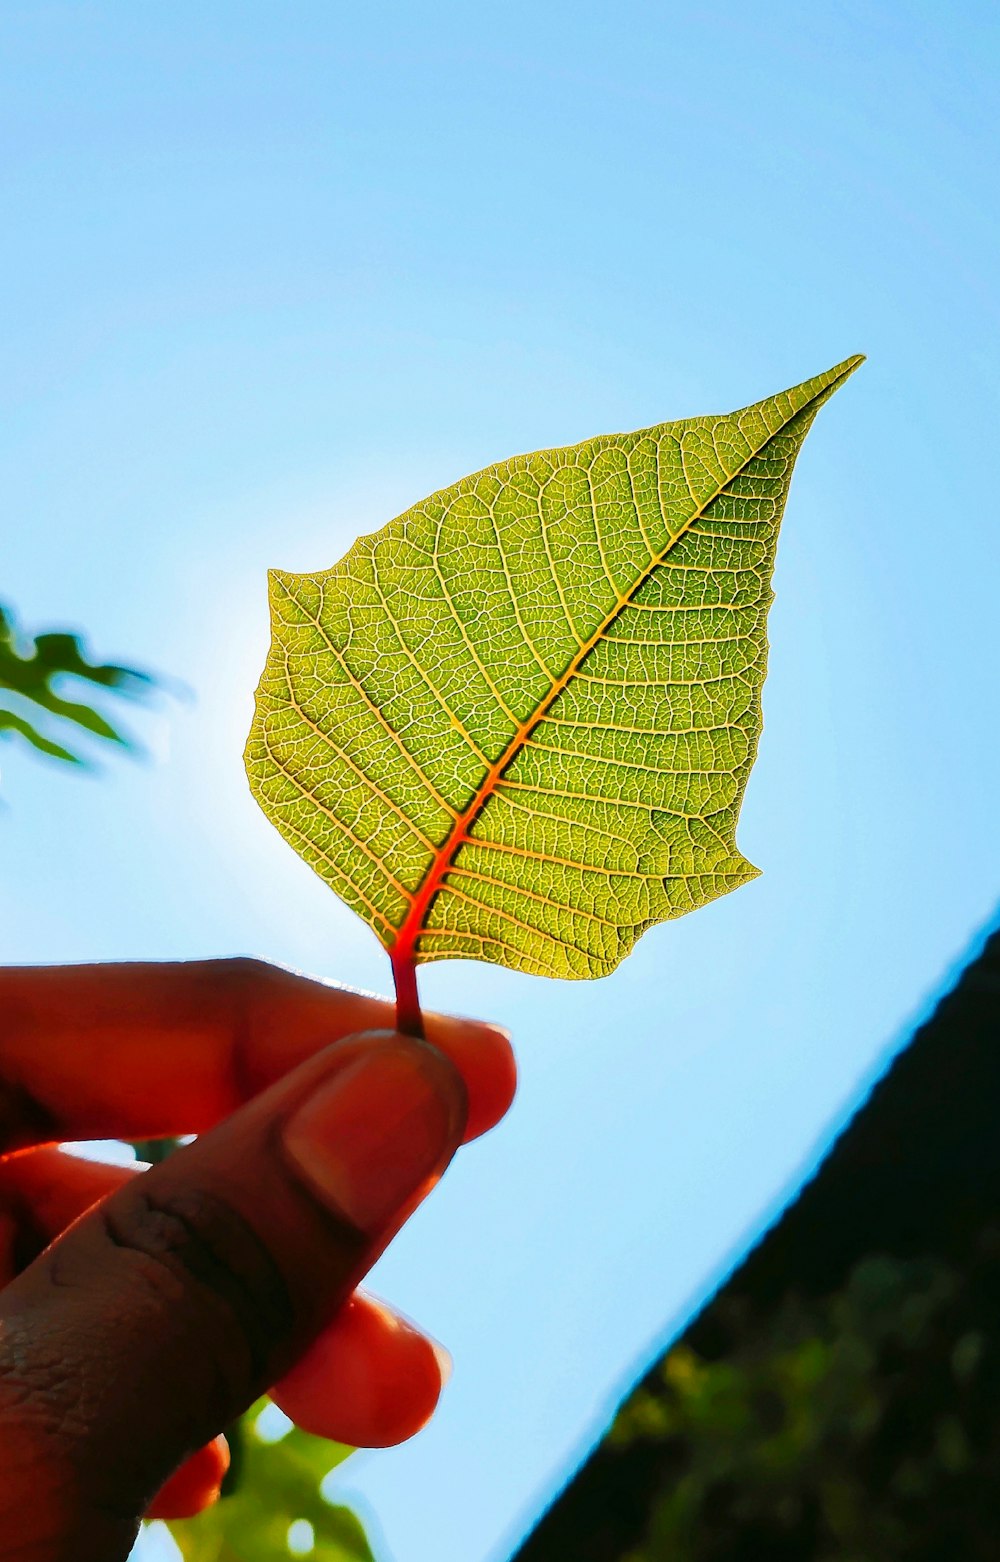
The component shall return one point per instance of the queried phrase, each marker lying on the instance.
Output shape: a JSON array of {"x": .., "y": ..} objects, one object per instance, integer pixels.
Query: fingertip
[
  {"x": 484, "y": 1057},
  {"x": 195, "y": 1486},
  {"x": 371, "y": 1379}
]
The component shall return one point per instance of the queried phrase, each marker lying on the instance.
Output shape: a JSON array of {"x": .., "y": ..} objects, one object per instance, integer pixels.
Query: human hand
[{"x": 142, "y": 1311}]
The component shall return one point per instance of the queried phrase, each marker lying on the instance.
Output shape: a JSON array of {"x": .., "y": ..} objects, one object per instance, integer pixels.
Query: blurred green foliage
[
  {"x": 856, "y": 1427},
  {"x": 32, "y": 671},
  {"x": 278, "y": 1507}
]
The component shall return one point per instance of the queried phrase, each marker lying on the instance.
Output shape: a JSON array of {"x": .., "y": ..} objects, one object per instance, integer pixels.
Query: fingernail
[{"x": 368, "y": 1140}]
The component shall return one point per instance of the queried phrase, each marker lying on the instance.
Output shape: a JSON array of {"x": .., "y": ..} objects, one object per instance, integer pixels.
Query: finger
[
  {"x": 371, "y": 1379},
  {"x": 41, "y": 1193},
  {"x": 160, "y": 1316},
  {"x": 143, "y": 1051},
  {"x": 195, "y": 1486}
]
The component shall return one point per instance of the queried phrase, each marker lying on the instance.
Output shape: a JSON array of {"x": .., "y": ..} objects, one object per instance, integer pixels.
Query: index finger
[{"x": 143, "y": 1051}]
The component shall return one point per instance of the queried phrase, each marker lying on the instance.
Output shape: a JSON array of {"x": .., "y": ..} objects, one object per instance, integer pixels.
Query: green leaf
[
  {"x": 29, "y": 671},
  {"x": 11, "y": 723},
  {"x": 280, "y": 1484},
  {"x": 516, "y": 723}
]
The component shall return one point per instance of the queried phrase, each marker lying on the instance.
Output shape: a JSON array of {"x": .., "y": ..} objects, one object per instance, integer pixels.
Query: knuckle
[
  {"x": 226, "y": 1289},
  {"x": 246, "y": 984},
  {"x": 243, "y": 977},
  {"x": 132, "y": 1341}
]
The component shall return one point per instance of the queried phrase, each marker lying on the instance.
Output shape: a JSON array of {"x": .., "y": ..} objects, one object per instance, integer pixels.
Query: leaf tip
[
  {"x": 843, "y": 370},
  {"x": 834, "y": 378},
  {"x": 810, "y": 395}
]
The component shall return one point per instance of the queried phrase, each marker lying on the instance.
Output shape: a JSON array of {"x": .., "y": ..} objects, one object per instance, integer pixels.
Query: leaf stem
[{"x": 409, "y": 1019}]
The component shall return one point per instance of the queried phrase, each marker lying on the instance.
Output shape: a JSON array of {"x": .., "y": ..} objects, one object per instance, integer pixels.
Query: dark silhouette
[{"x": 887, "y": 1269}]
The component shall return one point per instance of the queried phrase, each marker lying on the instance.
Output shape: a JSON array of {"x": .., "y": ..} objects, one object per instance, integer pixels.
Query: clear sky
[{"x": 272, "y": 273}]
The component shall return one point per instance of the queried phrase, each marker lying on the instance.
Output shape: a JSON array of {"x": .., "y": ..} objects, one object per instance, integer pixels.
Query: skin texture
[{"x": 140, "y": 1312}]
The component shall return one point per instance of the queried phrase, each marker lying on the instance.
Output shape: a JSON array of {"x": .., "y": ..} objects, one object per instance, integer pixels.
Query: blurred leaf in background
[
  {"x": 278, "y": 1508},
  {"x": 32, "y": 673}
]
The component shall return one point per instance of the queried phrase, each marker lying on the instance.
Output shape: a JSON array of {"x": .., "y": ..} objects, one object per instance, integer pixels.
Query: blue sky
[{"x": 271, "y": 274}]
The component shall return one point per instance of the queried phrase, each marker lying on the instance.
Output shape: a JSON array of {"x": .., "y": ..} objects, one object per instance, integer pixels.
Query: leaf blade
[{"x": 470, "y": 661}]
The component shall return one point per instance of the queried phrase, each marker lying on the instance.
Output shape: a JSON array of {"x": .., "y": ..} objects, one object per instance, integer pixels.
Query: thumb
[{"x": 163, "y": 1313}]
